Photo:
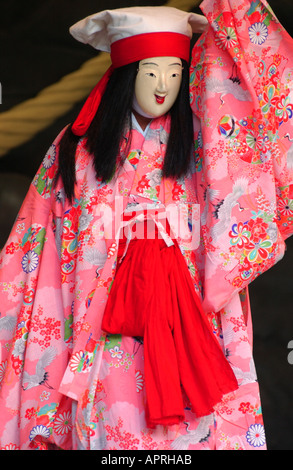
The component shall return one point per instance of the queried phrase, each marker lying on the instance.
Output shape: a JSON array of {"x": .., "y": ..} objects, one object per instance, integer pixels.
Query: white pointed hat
[
  {"x": 136, "y": 33},
  {"x": 131, "y": 35}
]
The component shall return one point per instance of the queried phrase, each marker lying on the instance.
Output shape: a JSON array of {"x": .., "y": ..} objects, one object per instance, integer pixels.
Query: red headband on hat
[
  {"x": 143, "y": 46},
  {"x": 126, "y": 51}
]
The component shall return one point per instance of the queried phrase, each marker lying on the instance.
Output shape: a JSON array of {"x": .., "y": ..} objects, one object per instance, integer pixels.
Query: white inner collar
[{"x": 135, "y": 125}]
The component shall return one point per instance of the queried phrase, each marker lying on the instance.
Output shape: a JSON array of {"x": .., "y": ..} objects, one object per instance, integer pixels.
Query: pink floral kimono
[{"x": 67, "y": 384}]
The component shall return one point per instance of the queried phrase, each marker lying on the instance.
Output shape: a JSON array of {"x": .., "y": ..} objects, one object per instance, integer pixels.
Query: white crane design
[
  {"x": 195, "y": 436},
  {"x": 246, "y": 377},
  {"x": 8, "y": 323},
  {"x": 226, "y": 86},
  {"x": 41, "y": 376},
  {"x": 224, "y": 208},
  {"x": 289, "y": 153},
  {"x": 210, "y": 195}
]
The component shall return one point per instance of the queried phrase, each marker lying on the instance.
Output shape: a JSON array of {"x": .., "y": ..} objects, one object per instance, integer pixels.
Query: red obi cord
[{"x": 153, "y": 296}]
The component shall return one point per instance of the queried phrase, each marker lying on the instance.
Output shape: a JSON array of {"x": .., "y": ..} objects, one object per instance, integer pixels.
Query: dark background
[{"x": 37, "y": 51}]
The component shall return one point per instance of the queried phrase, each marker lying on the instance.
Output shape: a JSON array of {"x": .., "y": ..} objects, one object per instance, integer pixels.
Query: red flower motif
[
  {"x": 240, "y": 235},
  {"x": 16, "y": 364},
  {"x": 10, "y": 249},
  {"x": 245, "y": 265},
  {"x": 30, "y": 413},
  {"x": 244, "y": 407},
  {"x": 237, "y": 282},
  {"x": 177, "y": 191},
  {"x": 144, "y": 183},
  {"x": 255, "y": 17},
  {"x": 285, "y": 207},
  {"x": 258, "y": 229},
  {"x": 284, "y": 109},
  {"x": 90, "y": 346}
]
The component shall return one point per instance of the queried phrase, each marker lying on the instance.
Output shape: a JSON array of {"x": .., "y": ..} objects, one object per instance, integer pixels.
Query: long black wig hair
[{"x": 105, "y": 134}]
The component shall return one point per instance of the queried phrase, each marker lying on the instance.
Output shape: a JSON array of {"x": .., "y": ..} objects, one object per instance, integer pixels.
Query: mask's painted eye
[
  {"x": 176, "y": 73},
  {"x": 151, "y": 74}
]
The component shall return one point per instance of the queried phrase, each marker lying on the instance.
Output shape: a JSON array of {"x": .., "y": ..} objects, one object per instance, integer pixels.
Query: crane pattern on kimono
[
  {"x": 223, "y": 208},
  {"x": 200, "y": 435},
  {"x": 227, "y": 86},
  {"x": 41, "y": 376}
]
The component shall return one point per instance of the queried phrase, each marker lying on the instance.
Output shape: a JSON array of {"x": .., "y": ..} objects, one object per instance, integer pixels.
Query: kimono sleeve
[
  {"x": 241, "y": 89},
  {"x": 31, "y": 320}
]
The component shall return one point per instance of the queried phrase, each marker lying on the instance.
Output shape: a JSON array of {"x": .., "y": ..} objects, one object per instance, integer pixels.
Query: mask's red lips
[{"x": 160, "y": 99}]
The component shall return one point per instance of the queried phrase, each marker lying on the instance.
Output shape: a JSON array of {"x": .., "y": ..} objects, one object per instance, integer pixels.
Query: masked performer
[{"x": 111, "y": 335}]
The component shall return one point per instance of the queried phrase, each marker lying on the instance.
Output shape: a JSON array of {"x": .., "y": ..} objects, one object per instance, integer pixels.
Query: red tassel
[{"x": 90, "y": 107}]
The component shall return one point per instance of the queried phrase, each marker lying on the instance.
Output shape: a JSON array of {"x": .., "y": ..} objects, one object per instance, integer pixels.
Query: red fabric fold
[
  {"x": 90, "y": 107},
  {"x": 153, "y": 296}
]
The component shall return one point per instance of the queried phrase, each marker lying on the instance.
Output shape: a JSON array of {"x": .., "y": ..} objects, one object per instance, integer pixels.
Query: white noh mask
[{"x": 157, "y": 85}]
